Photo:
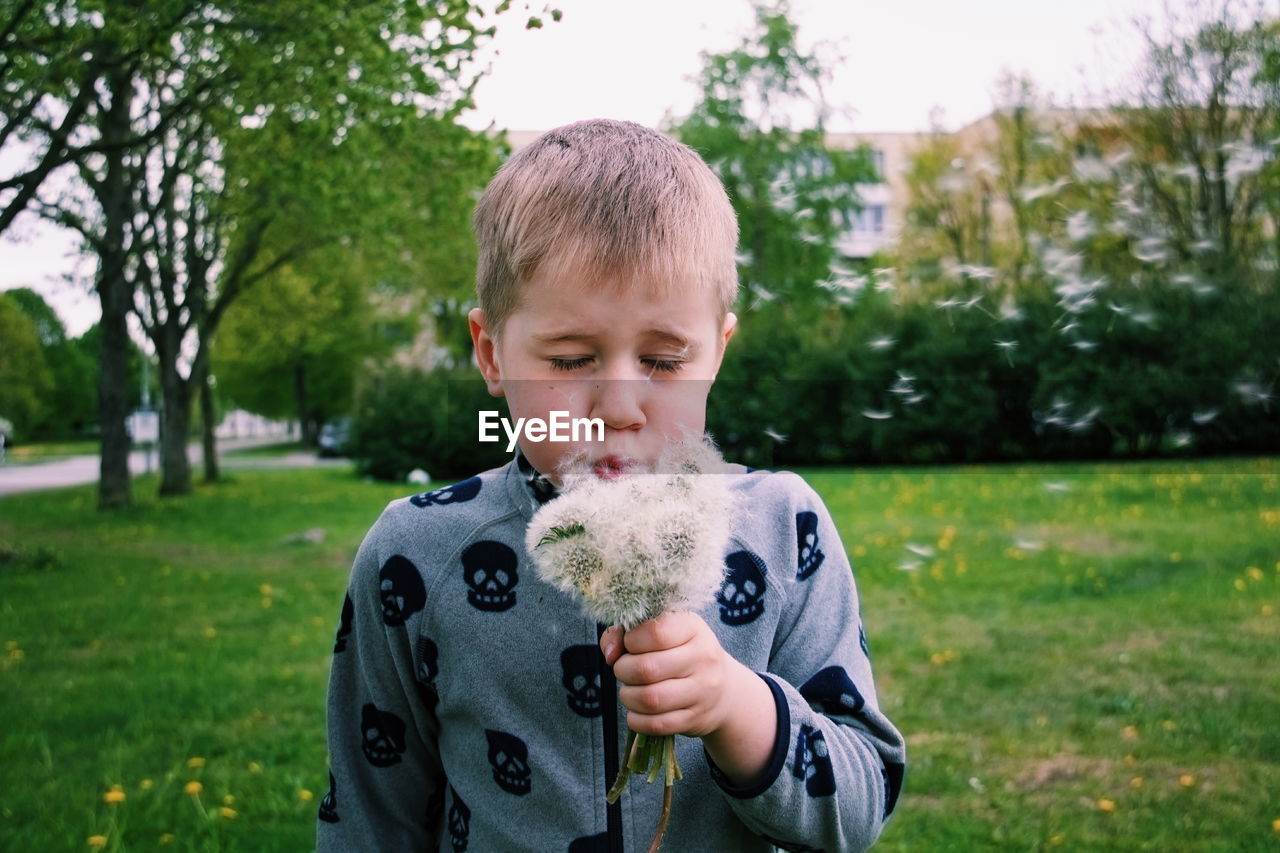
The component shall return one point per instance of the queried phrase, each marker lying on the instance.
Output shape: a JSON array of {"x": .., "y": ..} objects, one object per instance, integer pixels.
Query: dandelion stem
[
  {"x": 656, "y": 845},
  {"x": 624, "y": 772}
]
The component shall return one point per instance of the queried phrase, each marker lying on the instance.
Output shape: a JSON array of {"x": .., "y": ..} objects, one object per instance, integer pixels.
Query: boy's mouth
[{"x": 612, "y": 467}]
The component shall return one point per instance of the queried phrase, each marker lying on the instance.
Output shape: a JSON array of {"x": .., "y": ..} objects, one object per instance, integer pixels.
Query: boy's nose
[{"x": 619, "y": 403}]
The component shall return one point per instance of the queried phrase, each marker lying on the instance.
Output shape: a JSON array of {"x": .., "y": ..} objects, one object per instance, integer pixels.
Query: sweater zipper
[{"x": 609, "y": 702}]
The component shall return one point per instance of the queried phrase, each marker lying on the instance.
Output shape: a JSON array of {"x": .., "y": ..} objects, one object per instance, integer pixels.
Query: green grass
[
  {"x": 283, "y": 448},
  {"x": 1075, "y": 628},
  {"x": 49, "y": 451}
]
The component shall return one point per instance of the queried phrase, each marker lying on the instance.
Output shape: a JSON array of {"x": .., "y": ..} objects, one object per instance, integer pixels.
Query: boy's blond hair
[{"x": 611, "y": 201}]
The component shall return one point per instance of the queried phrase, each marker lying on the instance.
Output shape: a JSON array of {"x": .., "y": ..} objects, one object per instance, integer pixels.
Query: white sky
[{"x": 636, "y": 59}]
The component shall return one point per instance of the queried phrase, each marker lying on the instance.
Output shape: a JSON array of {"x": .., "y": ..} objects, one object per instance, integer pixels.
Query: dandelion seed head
[{"x": 647, "y": 542}]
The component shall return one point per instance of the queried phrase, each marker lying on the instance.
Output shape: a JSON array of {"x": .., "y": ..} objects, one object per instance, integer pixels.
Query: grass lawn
[
  {"x": 1082, "y": 657},
  {"x": 49, "y": 451}
]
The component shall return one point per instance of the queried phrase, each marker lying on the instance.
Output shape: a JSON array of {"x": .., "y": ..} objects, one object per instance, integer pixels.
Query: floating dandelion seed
[
  {"x": 881, "y": 343},
  {"x": 919, "y": 550},
  {"x": 1204, "y": 416},
  {"x": 1085, "y": 346},
  {"x": 876, "y": 415},
  {"x": 775, "y": 435},
  {"x": 1150, "y": 250},
  {"x": 1180, "y": 438},
  {"x": 909, "y": 565},
  {"x": 1080, "y": 226},
  {"x": 1057, "y": 486},
  {"x": 1028, "y": 544}
]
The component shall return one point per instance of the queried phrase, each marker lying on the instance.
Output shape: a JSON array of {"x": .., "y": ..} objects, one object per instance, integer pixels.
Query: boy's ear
[
  {"x": 727, "y": 328},
  {"x": 484, "y": 345}
]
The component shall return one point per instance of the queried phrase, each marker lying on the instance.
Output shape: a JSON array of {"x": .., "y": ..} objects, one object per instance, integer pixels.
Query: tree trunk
[
  {"x": 175, "y": 420},
  {"x": 305, "y": 422},
  {"x": 208, "y": 420},
  {"x": 115, "y": 489}
]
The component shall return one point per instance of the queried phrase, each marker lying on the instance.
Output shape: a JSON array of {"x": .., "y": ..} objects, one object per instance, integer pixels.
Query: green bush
[{"x": 409, "y": 419}]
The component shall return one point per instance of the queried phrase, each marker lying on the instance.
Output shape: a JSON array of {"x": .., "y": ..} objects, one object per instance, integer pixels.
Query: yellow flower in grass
[
  {"x": 193, "y": 787},
  {"x": 229, "y": 800},
  {"x": 1106, "y": 805},
  {"x": 97, "y": 842},
  {"x": 1254, "y": 573},
  {"x": 1275, "y": 825},
  {"x": 146, "y": 784},
  {"x": 228, "y": 813},
  {"x": 305, "y": 795},
  {"x": 167, "y": 838},
  {"x": 255, "y": 767},
  {"x": 1136, "y": 782},
  {"x": 1186, "y": 780},
  {"x": 1130, "y": 732},
  {"x": 195, "y": 762},
  {"x": 1268, "y": 610},
  {"x": 114, "y": 796}
]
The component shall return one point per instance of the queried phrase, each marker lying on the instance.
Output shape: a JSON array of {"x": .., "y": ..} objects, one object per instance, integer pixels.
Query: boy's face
[{"x": 641, "y": 363}]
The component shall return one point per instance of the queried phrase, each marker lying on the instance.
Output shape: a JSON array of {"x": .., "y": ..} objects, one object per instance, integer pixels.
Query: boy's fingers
[
  {"x": 666, "y": 632},
  {"x": 652, "y": 667},
  {"x": 610, "y": 645}
]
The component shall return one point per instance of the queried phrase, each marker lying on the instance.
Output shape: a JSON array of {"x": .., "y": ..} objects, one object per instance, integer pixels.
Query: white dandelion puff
[
  {"x": 883, "y": 342},
  {"x": 876, "y": 415},
  {"x": 919, "y": 550}
]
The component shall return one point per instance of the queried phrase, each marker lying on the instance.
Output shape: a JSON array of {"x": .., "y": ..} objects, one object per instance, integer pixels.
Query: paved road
[{"x": 77, "y": 470}]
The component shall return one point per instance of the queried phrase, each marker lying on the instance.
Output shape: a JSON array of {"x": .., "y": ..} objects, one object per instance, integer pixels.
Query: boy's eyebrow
[{"x": 663, "y": 335}]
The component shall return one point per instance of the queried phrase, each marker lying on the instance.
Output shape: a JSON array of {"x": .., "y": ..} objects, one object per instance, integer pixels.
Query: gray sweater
[{"x": 470, "y": 708}]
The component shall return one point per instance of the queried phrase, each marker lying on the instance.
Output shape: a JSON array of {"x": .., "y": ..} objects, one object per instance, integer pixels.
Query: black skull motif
[
  {"x": 382, "y": 736},
  {"x": 329, "y": 803},
  {"x": 582, "y": 666},
  {"x": 489, "y": 568},
  {"x": 741, "y": 596},
  {"x": 509, "y": 758},
  {"x": 892, "y": 772},
  {"x": 428, "y": 669},
  {"x": 428, "y": 661},
  {"x": 344, "y": 625},
  {"x": 455, "y": 494},
  {"x": 810, "y": 556},
  {"x": 459, "y": 822},
  {"x": 598, "y": 843},
  {"x": 403, "y": 593},
  {"x": 834, "y": 692},
  {"x": 813, "y": 764}
]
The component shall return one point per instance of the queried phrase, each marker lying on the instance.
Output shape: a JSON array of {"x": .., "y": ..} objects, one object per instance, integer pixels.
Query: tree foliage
[
  {"x": 216, "y": 142},
  {"x": 761, "y": 125}
]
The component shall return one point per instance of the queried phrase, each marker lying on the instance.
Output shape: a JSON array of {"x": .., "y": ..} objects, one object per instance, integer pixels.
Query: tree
[
  {"x": 294, "y": 348},
  {"x": 24, "y": 374},
  {"x": 180, "y": 87},
  {"x": 761, "y": 125},
  {"x": 70, "y": 402}
]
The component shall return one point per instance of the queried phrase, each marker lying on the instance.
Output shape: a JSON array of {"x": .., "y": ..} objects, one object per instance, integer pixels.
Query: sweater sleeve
[
  {"x": 838, "y": 762},
  {"x": 385, "y": 778}
]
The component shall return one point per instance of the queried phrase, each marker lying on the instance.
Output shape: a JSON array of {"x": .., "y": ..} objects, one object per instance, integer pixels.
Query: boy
[{"x": 471, "y": 705}]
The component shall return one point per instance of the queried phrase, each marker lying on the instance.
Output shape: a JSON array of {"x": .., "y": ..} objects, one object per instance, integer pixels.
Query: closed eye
[
  {"x": 662, "y": 365},
  {"x": 569, "y": 363}
]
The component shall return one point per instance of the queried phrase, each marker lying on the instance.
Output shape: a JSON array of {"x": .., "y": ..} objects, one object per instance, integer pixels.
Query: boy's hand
[{"x": 676, "y": 678}]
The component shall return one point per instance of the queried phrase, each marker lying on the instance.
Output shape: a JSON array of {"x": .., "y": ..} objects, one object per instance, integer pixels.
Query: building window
[
  {"x": 870, "y": 220},
  {"x": 877, "y": 163}
]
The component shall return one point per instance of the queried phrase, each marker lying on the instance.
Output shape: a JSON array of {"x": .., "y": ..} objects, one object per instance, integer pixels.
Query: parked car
[{"x": 334, "y": 436}]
